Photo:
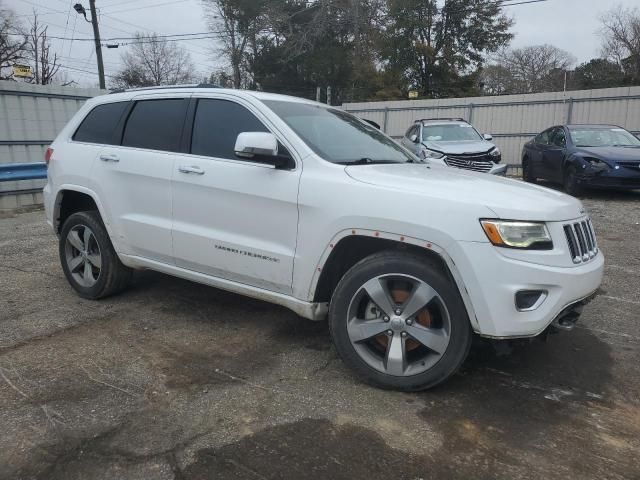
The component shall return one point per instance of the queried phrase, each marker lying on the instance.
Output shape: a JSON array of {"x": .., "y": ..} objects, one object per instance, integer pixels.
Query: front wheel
[
  {"x": 527, "y": 172},
  {"x": 399, "y": 322},
  {"x": 571, "y": 185}
]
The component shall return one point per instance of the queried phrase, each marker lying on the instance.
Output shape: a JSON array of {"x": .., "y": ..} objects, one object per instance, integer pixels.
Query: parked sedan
[{"x": 583, "y": 156}]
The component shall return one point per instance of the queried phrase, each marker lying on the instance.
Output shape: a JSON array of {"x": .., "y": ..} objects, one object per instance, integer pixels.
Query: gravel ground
[{"x": 176, "y": 380}]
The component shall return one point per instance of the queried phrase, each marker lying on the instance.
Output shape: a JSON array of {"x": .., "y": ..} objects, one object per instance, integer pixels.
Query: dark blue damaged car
[{"x": 583, "y": 156}]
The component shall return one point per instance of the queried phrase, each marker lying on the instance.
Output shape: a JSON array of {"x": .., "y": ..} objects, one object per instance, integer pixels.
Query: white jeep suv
[{"x": 303, "y": 205}]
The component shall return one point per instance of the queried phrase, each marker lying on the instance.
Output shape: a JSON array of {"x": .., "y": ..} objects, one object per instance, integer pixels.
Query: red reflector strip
[{"x": 48, "y": 154}]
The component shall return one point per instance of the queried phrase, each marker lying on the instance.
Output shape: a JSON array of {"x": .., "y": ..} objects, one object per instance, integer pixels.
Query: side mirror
[
  {"x": 262, "y": 147},
  {"x": 250, "y": 144},
  {"x": 488, "y": 137},
  {"x": 414, "y": 138}
]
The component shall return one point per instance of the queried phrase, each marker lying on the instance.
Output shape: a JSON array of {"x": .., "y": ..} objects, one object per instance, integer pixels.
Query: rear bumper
[{"x": 492, "y": 281}]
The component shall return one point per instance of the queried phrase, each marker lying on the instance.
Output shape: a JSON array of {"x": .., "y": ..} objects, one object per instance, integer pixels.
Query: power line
[{"x": 147, "y": 6}]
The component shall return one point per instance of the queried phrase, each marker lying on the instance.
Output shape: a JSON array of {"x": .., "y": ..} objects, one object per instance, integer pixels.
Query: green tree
[
  {"x": 598, "y": 73},
  {"x": 438, "y": 46}
]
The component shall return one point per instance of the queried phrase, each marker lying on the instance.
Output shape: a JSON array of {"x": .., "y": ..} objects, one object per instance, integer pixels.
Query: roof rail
[
  {"x": 439, "y": 119},
  {"x": 166, "y": 87}
]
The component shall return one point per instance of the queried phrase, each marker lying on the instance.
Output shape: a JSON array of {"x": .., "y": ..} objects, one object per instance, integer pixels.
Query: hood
[
  {"x": 612, "y": 154},
  {"x": 461, "y": 147},
  {"x": 509, "y": 199}
]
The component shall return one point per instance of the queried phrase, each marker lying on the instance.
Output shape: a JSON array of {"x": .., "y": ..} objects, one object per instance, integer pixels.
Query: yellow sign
[
  {"x": 413, "y": 94},
  {"x": 22, "y": 71}
]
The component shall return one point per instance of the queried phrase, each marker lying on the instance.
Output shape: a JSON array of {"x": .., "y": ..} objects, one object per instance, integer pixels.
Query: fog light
[{"x": 527, "y": 300}]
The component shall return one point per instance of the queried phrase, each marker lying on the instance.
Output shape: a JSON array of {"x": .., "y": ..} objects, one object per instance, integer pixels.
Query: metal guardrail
[{"x": 10, "y": 172}]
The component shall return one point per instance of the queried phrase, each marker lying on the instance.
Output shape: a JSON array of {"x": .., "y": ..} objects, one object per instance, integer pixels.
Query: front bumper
[
  {"x": 492, "y": 280},
  {"x": 496, "y": 168},
  {"x": 620, "y": 178}
]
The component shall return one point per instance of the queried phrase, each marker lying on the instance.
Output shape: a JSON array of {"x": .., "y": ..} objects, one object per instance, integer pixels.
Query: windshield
[
  {"x": 337, "y": 136},
  {"x": 449, "y": 133},
  {"x": 603, "y": 137}
]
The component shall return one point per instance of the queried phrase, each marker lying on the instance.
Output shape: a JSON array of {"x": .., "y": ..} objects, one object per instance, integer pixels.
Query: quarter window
[
  {"x": 155, "y": 124},
  {"x": 216, "y": 126},
  {"x": 100, "y": 124}
]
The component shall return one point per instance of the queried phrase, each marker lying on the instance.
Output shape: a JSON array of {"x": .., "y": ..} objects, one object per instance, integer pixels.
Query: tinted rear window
[
  {"x": 99, "y": 125},
  {"x": 217, "y": 125},
  {"x": 155, "y": 124}
]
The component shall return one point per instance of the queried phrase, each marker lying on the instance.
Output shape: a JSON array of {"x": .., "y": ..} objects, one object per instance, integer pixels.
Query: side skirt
[{"x": 311, "y": 310}]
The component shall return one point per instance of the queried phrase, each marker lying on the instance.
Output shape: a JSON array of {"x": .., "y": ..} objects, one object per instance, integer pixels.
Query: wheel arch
[
  {"x": 71, "y": 199},
  {"x": 350, "y": 246}
]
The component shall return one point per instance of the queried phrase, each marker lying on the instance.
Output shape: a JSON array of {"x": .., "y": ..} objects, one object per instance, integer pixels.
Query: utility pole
[
  {"x": 96, "y": 38},
  {"x": 96, "y": 35}
]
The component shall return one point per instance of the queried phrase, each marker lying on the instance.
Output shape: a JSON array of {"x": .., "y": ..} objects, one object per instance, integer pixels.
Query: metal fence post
[
  {"x": 385, "y": 119},
  {"x": 470, "y": 114},
  {"x": 570, "y": 110}
]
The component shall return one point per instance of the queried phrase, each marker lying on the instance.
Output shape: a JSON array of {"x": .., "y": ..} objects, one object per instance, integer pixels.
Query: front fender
[{"x": 396, "y": 237}]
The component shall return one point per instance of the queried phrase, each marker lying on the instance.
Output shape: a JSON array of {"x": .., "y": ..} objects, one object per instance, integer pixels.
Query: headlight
[
  {"x": 426, "y": 153},
  {"x": 495, "y": 152},
  {"x": 512, "y": 234},
  {"x": 596, "y": 163}
]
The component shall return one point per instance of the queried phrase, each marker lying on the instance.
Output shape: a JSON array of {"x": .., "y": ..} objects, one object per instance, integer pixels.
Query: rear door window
[
  {"x": 216, "y": 127},
  {"x": 100, "y": 124},
  {"x": 156, "y": 124}
]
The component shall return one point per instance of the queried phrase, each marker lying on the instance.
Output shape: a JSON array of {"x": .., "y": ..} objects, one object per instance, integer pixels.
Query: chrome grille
[
  {"x": 581, "y": 239},
  {"x": 477, "y": 163}
]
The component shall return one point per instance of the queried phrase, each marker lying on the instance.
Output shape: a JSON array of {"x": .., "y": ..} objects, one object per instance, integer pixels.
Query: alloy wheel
[
  {"x": 398, "y": 324},
  {"x": 82, "y": 254}
]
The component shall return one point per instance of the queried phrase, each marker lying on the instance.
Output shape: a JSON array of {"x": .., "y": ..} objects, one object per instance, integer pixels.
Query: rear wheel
[
  {"x": 399, "y": 322},
  {"x": 571, "y": 185},
  {"x": 88, "y": 259}
]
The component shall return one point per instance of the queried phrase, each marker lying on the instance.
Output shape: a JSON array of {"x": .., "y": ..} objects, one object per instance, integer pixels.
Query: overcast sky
[{"x": 569, "y": 24}]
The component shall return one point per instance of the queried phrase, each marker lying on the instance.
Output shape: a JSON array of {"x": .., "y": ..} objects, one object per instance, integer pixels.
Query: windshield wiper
[{"x": 369, "y": 161}]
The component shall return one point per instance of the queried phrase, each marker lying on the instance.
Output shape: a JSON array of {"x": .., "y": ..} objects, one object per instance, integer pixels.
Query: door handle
[
  {"x": 191, "y": 169},
  {"x": 109, "y": 158}
]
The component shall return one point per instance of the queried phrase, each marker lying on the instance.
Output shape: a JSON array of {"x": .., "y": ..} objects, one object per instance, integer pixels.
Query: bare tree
[
  {"x": 12, "y": 44},
  {"x": 497, "y": 80},
  {"x": 237, "y": 23},
  {"x": 621, "y": 38},
  {"x": 39, "y": 49},
  {"x": 535, "y": 68},
  {"x": 154, "y": 61}
]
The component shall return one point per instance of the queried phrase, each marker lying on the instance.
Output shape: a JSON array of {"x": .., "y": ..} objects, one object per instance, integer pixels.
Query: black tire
[
  {"x": 112, "y": 276},
  {"x": 390, "y": 263},
  {"x": 570, "y": 182},
  {"x": 527, "y": 174}
]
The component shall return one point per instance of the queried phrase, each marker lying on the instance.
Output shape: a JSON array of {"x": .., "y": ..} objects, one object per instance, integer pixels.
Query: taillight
[{"x": 47, "y": 155}]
